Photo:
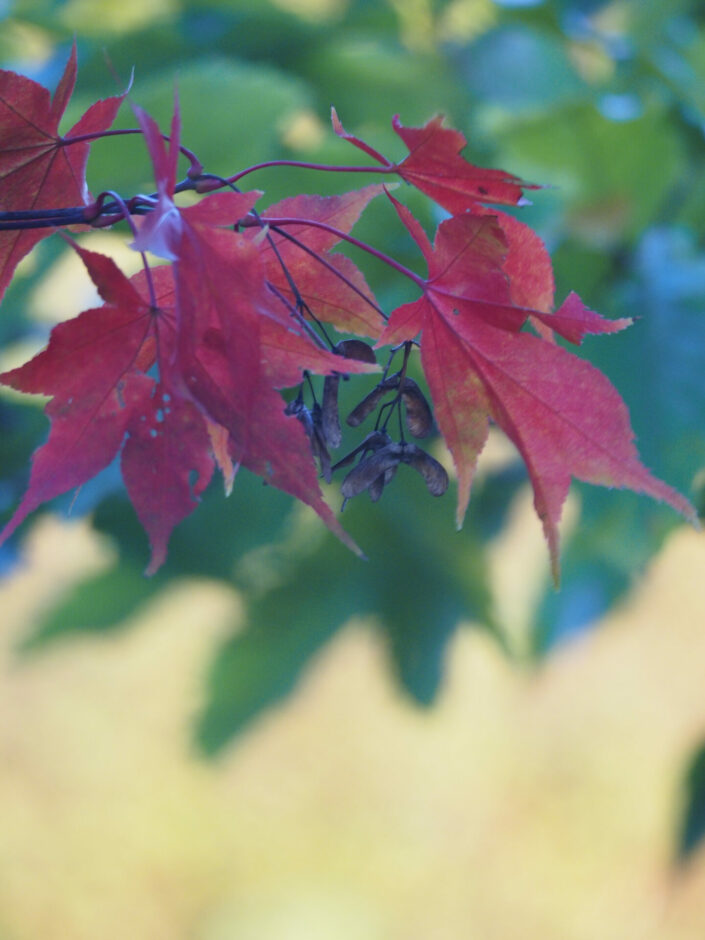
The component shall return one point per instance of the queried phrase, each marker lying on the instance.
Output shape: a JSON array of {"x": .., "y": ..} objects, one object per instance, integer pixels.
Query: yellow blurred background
[{"x": 538, "y": 805}]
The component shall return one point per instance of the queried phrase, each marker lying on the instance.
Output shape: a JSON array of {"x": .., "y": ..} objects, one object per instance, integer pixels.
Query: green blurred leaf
[
  {"x": 521, "y": 70},
  {"x": 207, "y": 544},
  {"x": 692, "y": 825},
  {"x": 233, "y": 114},
  {"x": 96, "y": 605},
  {"x": 370, "y": 79},
  {"x": 612, "y": 177},
  {"x": 420, "y": 582},
  {"x": 285, "y": 627},
  {"x": 22, "y": 427}
]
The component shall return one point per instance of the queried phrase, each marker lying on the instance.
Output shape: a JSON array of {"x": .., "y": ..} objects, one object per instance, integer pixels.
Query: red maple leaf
[
  {"x": 564, "y": 416},
  {"x": 95, "y": 368},
  {"x": 528, "y": 267},
  {"x": 39, "y": 169},
  {"x": 236, "y": 347},
  {"x": 180, "y": 369},
  {"x": 434, "y": 165},
  {"x": 236, "y": 343},
  {"x": 331, "y": 285},
  {"x": 466, "y": 271},
  {"x": 200, "y": 323}
]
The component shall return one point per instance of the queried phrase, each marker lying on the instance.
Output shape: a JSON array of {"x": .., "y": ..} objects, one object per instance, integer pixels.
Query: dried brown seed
[
  {"x": 318, "y": 444},
  {"x": 373, "y": 441},
  {"x": 297, "y": 408},
  {"x": 356, "y": 349},
  {"x": 311, "y": 422},
  {"x": 368, "y": 470},
  {"x": 371, "y": 400},
  {"x": 430, "y": 469},
  {"x": 330, "y": 422},
  {"x": 351, "y": 349},
  {"x": 366, "y": 406},
  {"x": 320, "y": 451},
  {"x": 419, "y": 418},
  {"x": 377, "y": 486}
]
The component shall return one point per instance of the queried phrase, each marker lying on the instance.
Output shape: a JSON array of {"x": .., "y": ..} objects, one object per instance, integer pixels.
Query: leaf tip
[
  {"x": 158, "y": 548},
  {"x": 659, "y": 490},
  {"x": 153, "y": 567}
]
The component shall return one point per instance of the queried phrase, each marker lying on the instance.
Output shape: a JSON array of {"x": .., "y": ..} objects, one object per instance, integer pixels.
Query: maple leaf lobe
[
  {"x": 39, "y": 168},
  {"x": 435, "y": 166}
]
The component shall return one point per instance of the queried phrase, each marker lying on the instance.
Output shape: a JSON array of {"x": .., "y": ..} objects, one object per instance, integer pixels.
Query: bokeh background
[{"x": 270, "y": 739}]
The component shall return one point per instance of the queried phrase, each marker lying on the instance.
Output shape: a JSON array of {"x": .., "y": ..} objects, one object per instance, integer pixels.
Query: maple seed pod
[
  {"x": 368, "y": 470},
  {"x": 430, "y": 469},
  {"x": 324, "y": 462},
  {"x": 377, "y": 486},
  {"x": 318, "y": 445},
  {"x": 373, "y": 441},
  {"x": 330, "y": 422},
  {"x": 419, "y": 418},
  {"x": 366, "y": 406},
  {"x": 312, "y": 426},
  {"x": 370, "y": 401},
  {"x": 297, "y": 408},
  {"x": 356, "y": 349}
]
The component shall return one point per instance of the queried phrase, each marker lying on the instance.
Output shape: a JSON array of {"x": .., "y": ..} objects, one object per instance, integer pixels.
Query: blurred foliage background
[{"x": 348, "y": 813}]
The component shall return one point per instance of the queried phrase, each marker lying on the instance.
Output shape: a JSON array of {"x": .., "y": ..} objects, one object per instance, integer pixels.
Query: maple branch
[
  {"x": 89, "y": 215},
  {"x": 41, "y": 218},
  {"x": 303, "y": 165},
  {"x": 396, "y": 401},
  {"x": 196, "y": 168},
  {"x": 36, "y": 214},
  {"x": 392, "y": 353},
  {"x": 380, "y": 255}
]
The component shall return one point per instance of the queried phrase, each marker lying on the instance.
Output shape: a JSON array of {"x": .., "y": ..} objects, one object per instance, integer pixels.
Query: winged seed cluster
[
  {"x": 180, "y": 371},
  {"x": 378, "y": 456}
]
